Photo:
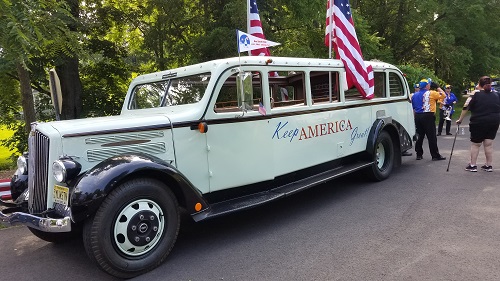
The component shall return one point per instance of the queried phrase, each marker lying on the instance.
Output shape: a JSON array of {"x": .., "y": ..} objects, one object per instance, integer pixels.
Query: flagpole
[
  {"x": 331, "y": 29},
  {"x": 248, "y": 22},
  {"x": 330, "y": 50}
]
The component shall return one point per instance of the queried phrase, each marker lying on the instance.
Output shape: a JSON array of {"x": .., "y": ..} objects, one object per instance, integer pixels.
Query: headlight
[
  {"x": 22, "y": 164},
  {"x": 65, "y": 169},
  {"x": 59, "y": 171}
]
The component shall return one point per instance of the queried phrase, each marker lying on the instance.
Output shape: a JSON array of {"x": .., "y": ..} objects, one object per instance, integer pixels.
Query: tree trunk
[
  {"x": 71, "y": 88},
  {"x": 69, "y": 75},
  {"x": 26, "y": 96}
]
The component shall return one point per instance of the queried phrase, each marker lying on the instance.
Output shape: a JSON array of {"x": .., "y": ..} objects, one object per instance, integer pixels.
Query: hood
[{"x": 104, "y": 124}]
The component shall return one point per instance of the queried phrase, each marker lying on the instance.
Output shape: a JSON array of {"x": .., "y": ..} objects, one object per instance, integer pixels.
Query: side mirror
[
  {"x": 55, "y": 92},
  {"x": 245, "y": 91}
]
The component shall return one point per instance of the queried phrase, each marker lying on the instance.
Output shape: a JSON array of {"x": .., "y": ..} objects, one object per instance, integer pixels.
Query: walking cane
[{"x": 453, "y": 146}]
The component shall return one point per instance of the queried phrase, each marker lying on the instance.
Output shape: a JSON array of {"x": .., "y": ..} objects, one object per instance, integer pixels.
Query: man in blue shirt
[
  {"x": 446, "y": 110},
  {"x": 424, "y": 107}
]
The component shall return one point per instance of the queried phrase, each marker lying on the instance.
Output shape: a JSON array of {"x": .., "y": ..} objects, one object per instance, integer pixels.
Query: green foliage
[
  {"x": 13, "y": 141},
  {"x": 5, "y": 154},
  {"x": 34, "y": 27},
  {"x": 415, "y": 73},
  {"x": 10, "y": 100}
]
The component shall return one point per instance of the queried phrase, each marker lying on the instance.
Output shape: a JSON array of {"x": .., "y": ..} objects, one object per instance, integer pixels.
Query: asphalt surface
[{"x": 422, "y": 223}]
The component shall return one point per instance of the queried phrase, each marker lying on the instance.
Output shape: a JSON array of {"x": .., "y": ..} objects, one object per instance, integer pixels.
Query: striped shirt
[{"x": 425, "y": 100}]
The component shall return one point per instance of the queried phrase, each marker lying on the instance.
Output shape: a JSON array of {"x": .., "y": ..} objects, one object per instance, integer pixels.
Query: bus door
[{"x": 239, "y": 151}]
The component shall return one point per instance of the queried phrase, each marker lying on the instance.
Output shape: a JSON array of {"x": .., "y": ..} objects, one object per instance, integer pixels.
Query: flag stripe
[
  {"x": 255, "y": 29},
  {"x": 329, "y": 24},
  {"x": 347, "y": 47}
]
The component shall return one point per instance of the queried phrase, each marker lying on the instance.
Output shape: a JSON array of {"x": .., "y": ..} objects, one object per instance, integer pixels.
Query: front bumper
[{"x": 13, "y": 216}]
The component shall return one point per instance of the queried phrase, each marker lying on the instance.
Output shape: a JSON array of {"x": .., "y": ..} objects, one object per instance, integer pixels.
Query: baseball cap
[{"x": 423, "y": 83}]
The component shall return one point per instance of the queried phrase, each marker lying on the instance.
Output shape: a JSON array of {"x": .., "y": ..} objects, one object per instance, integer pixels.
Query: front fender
[
  {"x": 92, "y": 187},
  {"x": 18, "y": 184}
]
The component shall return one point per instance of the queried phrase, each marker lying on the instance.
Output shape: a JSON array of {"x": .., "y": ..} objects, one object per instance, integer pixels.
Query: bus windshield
[{"x": 174, "y": 91}]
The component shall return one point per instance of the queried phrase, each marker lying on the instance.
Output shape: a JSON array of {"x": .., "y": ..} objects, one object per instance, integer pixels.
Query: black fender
[
  {"x": 18, "y": 184},
  {"x": 377, "y": 127},
  {"x": 398, "y": 133},
  {"x": 92, "y": 187}
]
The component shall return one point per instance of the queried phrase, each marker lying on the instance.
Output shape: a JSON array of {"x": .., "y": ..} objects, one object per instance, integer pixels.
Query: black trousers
[
  {"x": 441, "y": 122},
  {"x": 425, "y": 124}
]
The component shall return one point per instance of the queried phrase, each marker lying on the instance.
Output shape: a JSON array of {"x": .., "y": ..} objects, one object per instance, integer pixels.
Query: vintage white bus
[{"x": 210, "y": 138}]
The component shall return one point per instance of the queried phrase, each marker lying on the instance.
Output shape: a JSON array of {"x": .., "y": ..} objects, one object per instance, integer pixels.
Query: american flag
[
  {"x": 262, "y": 109},
  {"x": 255, "y": 28},
  {"x": 347, "y": 47}
]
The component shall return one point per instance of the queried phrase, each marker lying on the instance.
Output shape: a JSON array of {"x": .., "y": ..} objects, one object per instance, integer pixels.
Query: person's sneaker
[
  {"x": 487, "y": 168},
  {"x": 419, "y": 157},
  {"x": 438, "y": 158},
  {"x": 438, "y": 134},
  {"x": 471, "y": 168},
  {"x": 449, "y": 134}
]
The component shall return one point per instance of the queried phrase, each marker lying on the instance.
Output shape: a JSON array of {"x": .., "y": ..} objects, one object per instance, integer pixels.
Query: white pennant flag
[{"x": 247, "y": 42}]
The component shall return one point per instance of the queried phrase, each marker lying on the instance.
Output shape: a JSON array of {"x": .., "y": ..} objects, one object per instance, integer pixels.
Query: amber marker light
[
  {"x": 202, "y": 127},
  {"x": 197, "y": 207},
  {"x": 268, "y": 61}
]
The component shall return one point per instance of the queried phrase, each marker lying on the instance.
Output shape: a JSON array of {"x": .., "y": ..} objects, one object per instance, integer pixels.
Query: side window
[
  {"x": 379, "y": 88},
  {"x": 286, "y": 88},
  {"x": 352, "y": 94},
  {"x": 379, "y": 85},
  {"x": 395, "y": 85},
  {"x": 227, "y": 100},
  {"x": 320, "y": 90},
  {"x": 148, "y": 95}
]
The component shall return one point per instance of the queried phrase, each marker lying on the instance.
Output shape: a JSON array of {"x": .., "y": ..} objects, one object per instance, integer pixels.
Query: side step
[{"x": 256, "y": 199}]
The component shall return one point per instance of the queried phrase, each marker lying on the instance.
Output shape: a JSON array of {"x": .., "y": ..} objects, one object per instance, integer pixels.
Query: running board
[{"x": 256, "y": 199}]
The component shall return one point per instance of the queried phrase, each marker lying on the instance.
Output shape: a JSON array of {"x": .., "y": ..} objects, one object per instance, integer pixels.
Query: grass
[{"x": 5, "y": 153}]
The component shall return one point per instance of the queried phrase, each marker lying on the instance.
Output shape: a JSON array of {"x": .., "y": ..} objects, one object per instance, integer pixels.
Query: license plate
[{"x": 61, "y": 195}]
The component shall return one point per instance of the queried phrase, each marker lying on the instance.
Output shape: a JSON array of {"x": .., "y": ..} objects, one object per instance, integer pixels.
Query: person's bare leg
[
  {"x": 474, "y": 152},
  {"x": 488, "y": 151}
]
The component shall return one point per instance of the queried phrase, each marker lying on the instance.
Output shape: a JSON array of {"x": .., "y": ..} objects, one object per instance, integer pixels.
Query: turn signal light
[
  {"x": 197, "y": 207},
  {"x": 202, "y": 127}
]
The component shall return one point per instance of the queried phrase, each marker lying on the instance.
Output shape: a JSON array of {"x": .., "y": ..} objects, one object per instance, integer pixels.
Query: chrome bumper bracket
[{"x": 10, "y": 216}]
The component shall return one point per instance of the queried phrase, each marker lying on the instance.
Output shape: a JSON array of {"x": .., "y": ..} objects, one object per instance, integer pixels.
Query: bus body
[{"x": 210, "y": 138}]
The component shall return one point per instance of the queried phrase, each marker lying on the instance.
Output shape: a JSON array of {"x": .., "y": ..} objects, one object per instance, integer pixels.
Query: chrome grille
[{"x": 38, "y": 168}]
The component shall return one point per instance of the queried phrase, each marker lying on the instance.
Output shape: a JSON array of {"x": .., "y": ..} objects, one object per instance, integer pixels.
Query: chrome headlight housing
[
  {"x": 22, "y": 164},
  {"x": 65, "y": 169}
]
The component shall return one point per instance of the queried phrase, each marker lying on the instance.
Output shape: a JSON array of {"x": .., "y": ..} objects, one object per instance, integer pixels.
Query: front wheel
[
  {"x": 134, "y": 229},
  {"x": 383, "y": 158}
]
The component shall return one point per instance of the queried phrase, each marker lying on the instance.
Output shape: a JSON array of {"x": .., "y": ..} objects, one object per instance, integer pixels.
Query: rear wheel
[
  {"x": 383, "y": 158},
  {"x": 134, "y": 229}
]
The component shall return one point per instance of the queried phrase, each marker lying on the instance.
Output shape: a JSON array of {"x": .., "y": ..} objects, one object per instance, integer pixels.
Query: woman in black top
[{"x": 484, "y": 106}]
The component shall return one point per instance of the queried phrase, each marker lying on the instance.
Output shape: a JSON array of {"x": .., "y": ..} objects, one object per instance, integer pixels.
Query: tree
[
  {"x": 29, "y": 28},
  {"x": 67, "y": 67}
]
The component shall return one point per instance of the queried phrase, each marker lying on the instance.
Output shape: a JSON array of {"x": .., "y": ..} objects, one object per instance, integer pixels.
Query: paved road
[{"x": 423, "y": 223}]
